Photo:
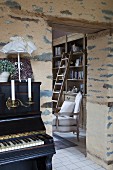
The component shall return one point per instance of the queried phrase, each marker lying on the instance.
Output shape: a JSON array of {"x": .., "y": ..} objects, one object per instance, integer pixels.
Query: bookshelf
[{"x": 75, "y": 43}]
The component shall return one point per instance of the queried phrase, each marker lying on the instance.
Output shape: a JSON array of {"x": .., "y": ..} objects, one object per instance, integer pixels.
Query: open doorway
[{"x": 75, "y": 43}]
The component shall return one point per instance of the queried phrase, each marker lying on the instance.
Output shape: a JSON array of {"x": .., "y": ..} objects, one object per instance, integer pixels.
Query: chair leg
[
  {"x": 78, "y": 135},
  {"x": 77, "y": 132}
]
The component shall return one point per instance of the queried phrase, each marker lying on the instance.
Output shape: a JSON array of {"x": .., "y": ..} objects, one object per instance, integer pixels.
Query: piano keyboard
[{"x": 20, "y": 142}]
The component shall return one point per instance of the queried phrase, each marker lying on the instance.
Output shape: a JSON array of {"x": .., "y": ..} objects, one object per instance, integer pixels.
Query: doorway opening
[
  {"x": 74, "y": 82},
  {"x": 63, "y": 27}
]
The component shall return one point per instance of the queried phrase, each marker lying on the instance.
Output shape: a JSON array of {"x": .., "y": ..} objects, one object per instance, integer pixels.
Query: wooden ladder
[{"x": 60, "y": 81}]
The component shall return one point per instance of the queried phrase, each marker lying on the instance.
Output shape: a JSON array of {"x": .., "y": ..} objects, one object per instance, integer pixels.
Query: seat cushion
[
  {"x": 67, "y": 106},
  {"x": 65, "y": 121},
  {"x": 64, "y": 129}
]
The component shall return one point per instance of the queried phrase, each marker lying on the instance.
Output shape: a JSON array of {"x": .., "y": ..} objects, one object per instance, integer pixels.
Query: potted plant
[{"x": 6, "y": 68}]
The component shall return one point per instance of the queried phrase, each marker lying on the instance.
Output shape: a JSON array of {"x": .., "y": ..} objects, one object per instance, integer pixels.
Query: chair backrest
[{"x": 78, "y": 100}]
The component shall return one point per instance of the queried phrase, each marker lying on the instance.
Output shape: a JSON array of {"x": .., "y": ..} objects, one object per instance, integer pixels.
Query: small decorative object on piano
[{"x": 6, "y": 70}]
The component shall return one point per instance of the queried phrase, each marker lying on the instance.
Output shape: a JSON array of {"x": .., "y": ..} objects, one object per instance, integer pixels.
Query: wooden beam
[{"x": 79, "y": 26}]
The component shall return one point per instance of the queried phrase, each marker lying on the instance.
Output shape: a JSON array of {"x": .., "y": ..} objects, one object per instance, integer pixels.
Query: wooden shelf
[
  {"x": 57, "y": 57},
  {"x": 75, "y": 79},
  {"x": 72, "y": 67},
  {"x": 77, "y": 69}
]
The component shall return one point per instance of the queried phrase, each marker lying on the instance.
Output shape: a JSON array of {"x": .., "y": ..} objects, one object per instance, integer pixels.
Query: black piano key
[
  {"x": 4, "y": 143},
  {"x": 7, "y": 143},
  {"x": 13, "y": 142},
  {"x": 25, "y": 140},
  {"x": 28, "y": 140},
  {"x": 33, "y": 138},
  {"x": 16, "y": 141},
  {"x": 19, "y": 141}
]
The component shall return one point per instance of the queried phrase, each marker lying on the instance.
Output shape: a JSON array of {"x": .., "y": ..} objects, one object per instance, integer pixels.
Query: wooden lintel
[
  {"x": 66, "y": 24},
  {"x": 79, "y": 26}
]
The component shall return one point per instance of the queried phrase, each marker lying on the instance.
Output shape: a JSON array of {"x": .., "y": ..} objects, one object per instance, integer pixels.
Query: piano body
[{"x": 24, "y": 143}]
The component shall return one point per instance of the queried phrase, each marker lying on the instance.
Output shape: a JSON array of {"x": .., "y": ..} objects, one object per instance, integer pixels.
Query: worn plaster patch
[
  {"x": 13, "y": 4},
  {"x": 46, "y": 105},
  {"x": 101, "y": 69},
  {"x": 48, "y": 122},
  {"x": 66, "y": 12},
  {"x": 108, "y": 148},
  {"x": 46, "y": 40},
  {"x": 91, "y": 47},
  {"x": 95, "y": 91},
  {"x": 110, "y": 55},
  {"x": 2, "y": 43},
  {"x": 108, "y": 65},
  {"x": 24, "y": 19},
  {"x": 43, "y": 57},
  {"x": 99, "y": 97},
  {"x": 51, "y": 9},
  {"x": 49, "y": 77},
  {"x": 109, "y": 117},
  {"x": 110, "y": 42},
  {"x": 109, "y": 135},
  {"x": 109, "y": 97},
  {"x": 109, "y": 125},
  {"x": 94, "y": 79},
  {"x": 46, "y": 112},
  {"x": 26, "y": 25},
  {"x": 106, "y": 75},
  {"x": 92, "y": 58},
  {"x": 46, "y": 93},
  {"x": 105, "y": 49},
  {"x": 108, "y": 86},
  {"x": 50, "y": 30},
  {"x": 107, "y": 12},
  {"x": 108, "y": 18},
  {"x": 1, "y": 9},
  {"x": 37, "y": 9},
  {"x": 8, "y": 22},
  {"x": 111, "y": 109},
  {"x": 103, "y": 3}
]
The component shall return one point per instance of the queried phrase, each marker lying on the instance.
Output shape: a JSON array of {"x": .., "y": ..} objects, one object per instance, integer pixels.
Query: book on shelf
[{"x": 59, "y": 51}]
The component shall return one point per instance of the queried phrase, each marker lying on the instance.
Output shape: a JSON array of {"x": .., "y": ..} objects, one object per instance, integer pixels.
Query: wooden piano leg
[{"x": 45, "y": 163}]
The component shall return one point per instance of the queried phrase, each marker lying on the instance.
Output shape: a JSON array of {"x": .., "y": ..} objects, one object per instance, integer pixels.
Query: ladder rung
[
  {"x": 60, "y": 75},
  {"x": 59, "y": 84},
  {"x": 62, "y": 67},
  {"x": 56, "y": 91},
  {"x": 64, "y": 58},
  {"x": 55, "y": 101}
]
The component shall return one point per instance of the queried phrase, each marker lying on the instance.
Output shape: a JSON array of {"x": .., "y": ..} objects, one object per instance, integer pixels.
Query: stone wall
[{"x": 99, "y": 98}]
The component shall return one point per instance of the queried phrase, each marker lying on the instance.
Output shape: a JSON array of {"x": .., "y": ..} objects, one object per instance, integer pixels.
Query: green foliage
[{"x": 7, "y": 66}]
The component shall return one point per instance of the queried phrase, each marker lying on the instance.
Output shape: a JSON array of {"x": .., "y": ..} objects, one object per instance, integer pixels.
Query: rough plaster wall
[
  {"x": 27, "y": 18},
  {"x": 100, "y": 93},
  {"x": 91, "y": 10},
  {"x": 109, "y": 87}
]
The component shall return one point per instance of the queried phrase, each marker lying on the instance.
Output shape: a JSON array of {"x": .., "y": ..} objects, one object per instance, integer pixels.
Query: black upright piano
[{"x": 24, "y": 143}]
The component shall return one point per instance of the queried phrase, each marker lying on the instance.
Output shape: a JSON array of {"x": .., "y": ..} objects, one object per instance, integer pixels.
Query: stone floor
[{"x": 73, "y": 157}]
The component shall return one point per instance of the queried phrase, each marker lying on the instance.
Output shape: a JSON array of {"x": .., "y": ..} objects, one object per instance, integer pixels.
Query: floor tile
[{"x": 74, "y": 158}]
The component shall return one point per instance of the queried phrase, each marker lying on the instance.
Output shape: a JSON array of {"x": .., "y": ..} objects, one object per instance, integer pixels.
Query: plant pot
[{"x": 4, "y": 76}]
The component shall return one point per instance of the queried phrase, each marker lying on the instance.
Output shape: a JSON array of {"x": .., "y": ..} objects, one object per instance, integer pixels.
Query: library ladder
[{"x": 60, "y": 81}]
